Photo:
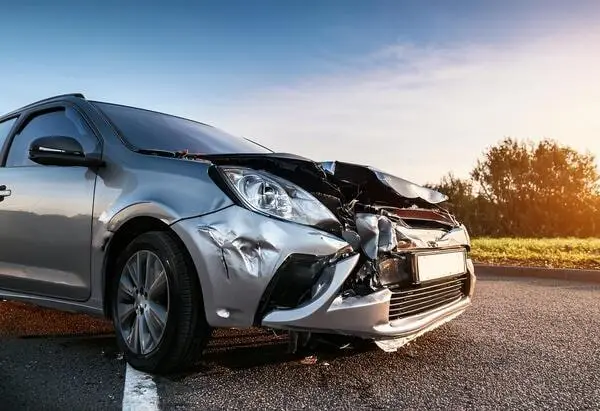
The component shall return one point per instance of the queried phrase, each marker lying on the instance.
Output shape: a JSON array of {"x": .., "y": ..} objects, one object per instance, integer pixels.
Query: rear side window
[
  {"x": 62, "y": 122},
  {"x": 5, "y": 128}
]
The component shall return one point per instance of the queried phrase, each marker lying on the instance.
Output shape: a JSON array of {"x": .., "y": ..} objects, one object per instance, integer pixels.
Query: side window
[
  {"x": 63, "y": 122},
  {"x": 5, "y": 128}
]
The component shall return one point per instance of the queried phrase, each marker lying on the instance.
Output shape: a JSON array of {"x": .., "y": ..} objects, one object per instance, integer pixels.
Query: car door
[{"x": 46, "y": 211}]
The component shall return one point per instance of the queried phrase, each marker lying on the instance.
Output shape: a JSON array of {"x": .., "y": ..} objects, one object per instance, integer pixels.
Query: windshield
[{"x": 151, "y": 130}]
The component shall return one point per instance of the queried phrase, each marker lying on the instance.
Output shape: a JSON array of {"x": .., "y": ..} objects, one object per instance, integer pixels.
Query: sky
[{"x": 415, "y": 88}]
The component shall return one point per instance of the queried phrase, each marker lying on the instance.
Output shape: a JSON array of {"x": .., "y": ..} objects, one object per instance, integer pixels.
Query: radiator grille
[{"x": 407, "y": 301}]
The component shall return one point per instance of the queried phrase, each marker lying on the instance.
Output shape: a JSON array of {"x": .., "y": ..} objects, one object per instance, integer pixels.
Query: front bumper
[
  {"x": 364, "y": 316},
  {"x": 237, "y": 253}
]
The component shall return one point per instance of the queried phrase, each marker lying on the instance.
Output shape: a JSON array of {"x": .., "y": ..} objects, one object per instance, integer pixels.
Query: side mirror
[{"x": 60, "y": 151}]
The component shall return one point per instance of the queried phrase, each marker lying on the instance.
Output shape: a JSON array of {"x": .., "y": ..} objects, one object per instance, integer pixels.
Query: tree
[
  {"x": 467, "y": 205},
  {"x": 460, "y": 194},
  {"x": 542, "y": 189}
]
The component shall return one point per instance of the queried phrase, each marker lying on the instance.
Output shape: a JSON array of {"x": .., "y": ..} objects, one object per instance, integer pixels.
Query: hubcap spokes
[{"x": 143, "y": 302}]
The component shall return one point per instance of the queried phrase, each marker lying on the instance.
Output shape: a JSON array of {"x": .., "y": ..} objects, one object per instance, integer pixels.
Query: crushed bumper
[{"x": 365, "y": 316}]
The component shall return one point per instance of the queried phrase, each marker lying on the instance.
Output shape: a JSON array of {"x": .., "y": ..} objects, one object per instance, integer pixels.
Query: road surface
[{"x": 524, "y": 344}]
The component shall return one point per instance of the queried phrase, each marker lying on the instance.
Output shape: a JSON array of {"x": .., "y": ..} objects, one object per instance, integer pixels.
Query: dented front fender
[{"x": 237, "y": 252}]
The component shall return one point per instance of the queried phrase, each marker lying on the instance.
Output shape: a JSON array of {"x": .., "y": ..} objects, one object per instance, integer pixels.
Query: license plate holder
[{"x": 435, "y": 265}]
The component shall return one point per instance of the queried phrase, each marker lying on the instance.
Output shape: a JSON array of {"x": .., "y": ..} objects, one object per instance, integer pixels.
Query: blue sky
[{"x": 329, "y": 79}]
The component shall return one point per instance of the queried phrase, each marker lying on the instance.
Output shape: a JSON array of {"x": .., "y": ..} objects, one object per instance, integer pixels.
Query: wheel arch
[{"x": 125, "y": 233}]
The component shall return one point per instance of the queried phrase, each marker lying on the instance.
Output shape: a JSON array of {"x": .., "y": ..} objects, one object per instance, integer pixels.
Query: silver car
[{"x": 172, "y": 228}]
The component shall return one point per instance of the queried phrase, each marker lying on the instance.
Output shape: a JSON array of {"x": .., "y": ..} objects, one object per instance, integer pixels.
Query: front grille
[{"x": 407, "y": 301}]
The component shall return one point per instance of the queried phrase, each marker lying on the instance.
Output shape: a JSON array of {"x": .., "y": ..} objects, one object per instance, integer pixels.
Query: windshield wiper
[
  {"x": 154, "y": 152},
  {"x": 171, "y": 154}
]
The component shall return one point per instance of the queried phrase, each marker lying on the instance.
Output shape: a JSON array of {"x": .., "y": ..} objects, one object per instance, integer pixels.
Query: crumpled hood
[
  {"x": 334, "y": 177},
  {"x": 366, "y": 175}
]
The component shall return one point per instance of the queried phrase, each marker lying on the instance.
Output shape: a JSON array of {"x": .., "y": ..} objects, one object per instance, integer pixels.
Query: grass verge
[{"x": 582, "y": 253}]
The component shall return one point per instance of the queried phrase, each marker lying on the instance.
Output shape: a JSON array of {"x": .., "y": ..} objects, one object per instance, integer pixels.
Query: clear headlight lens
[{"x": 273, "y": 195}]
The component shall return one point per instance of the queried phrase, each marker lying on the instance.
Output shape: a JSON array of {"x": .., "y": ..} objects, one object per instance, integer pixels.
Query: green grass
[{"x": 540, "y": 252}]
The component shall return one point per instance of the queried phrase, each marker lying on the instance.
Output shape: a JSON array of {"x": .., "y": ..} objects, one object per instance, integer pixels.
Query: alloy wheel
[{"x": 143, "y": 302}]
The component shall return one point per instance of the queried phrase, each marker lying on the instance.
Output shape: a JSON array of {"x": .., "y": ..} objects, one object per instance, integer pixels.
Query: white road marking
[{"x": 139, "y": 392}]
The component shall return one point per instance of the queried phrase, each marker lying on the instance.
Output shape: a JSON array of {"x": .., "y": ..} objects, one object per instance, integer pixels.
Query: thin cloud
[{"x": 423, "y": 111}]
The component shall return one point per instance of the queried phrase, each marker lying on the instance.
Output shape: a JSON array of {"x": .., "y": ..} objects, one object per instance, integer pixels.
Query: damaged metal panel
[
  {"x": 418, "y": 217},
  {"x": 376, "y": 233},
  {"x": 237, "y": 252},
  {"x": 368, "y": 231},
  {"x": 241, "y": 253},
  {"x": 428, "y": 238},
  {"x": 371, "y": 177}
]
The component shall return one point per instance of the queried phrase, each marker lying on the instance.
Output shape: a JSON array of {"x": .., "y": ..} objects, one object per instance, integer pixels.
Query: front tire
[{"x": 157, "y": 306}]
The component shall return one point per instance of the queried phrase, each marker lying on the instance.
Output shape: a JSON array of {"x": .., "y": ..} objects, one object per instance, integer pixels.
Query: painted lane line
[{"x": 139, "y": 392}]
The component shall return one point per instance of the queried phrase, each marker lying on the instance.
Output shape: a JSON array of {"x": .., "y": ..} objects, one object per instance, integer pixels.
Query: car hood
[
  {"x": 371, "y": 176},
  {"x": 334, "y": 177}
]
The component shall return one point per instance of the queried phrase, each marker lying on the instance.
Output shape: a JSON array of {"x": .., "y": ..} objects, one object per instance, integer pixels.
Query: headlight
[{"x": 275, "y": 196}]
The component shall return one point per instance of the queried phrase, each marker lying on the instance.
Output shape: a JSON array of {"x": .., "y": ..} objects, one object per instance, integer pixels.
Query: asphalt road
[{"x": 524, "y": 344}]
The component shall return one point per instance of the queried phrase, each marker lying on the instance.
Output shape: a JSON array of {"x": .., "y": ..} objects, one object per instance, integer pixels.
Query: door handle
[{"x": 4, "y": 192}]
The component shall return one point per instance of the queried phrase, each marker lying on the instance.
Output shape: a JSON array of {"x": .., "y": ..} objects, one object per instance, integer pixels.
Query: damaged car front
[{"x": 328, "y": 248}]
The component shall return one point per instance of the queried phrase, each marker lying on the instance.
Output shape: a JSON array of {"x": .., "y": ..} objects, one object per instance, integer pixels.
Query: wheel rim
[{"x": 143, "y": 302}]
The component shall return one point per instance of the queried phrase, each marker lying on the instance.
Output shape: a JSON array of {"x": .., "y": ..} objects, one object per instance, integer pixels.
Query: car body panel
[
  {"x": 236, "y": 253},
  {"x": 46, "y": 231},
  {"x": 371, "y": 175}
]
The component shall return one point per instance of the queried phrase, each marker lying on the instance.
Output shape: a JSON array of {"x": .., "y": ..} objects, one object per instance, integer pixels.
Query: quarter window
[{"x": 62, "y": 122}]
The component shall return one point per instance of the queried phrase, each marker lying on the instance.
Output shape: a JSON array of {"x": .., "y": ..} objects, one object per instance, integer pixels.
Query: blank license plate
[{"x": 439, "y": 265}]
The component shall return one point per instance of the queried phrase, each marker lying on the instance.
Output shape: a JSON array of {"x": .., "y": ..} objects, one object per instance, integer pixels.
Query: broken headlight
[{"x": 266, "y": 193}]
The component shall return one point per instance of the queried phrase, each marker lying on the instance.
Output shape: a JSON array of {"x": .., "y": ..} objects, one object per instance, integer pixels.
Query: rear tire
[{"x": 157, "y": 305}]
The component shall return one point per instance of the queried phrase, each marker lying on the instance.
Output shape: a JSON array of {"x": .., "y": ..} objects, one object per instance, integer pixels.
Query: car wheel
[{"x": 157, "y": 305}]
